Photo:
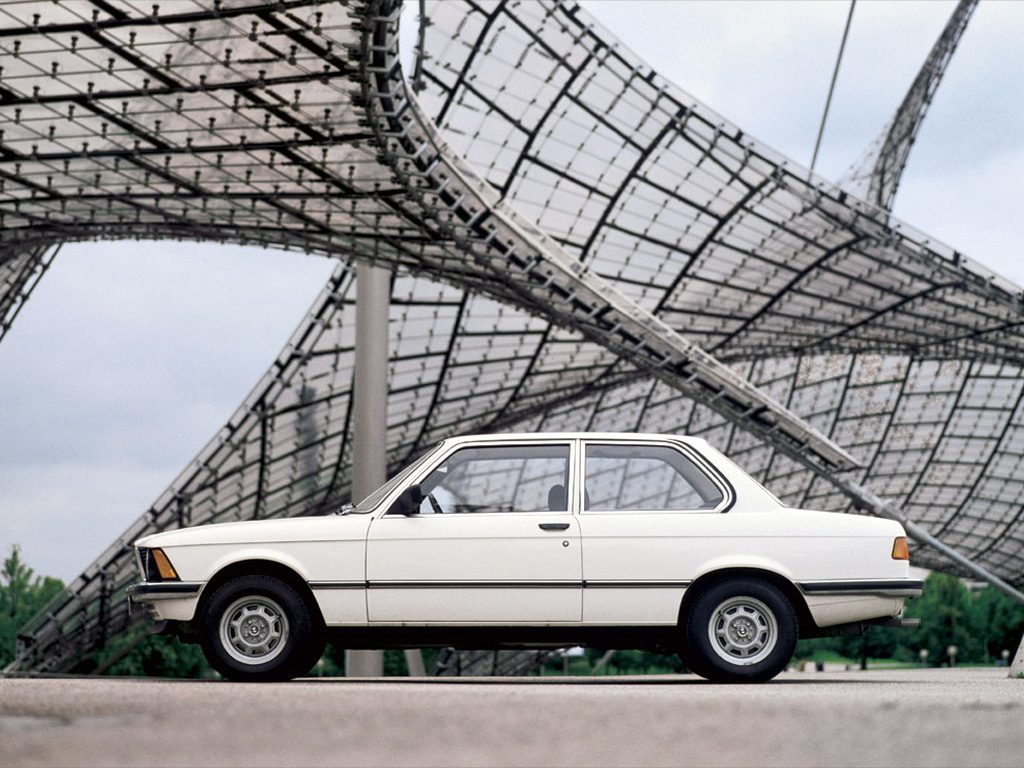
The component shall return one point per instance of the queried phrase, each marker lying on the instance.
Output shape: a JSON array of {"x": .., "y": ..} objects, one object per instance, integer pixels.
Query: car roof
[{"x": 520, "y": 436}]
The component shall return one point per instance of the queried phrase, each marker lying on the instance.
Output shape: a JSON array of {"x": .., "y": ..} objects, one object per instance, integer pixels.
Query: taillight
[{"x": 900, "y": 550}]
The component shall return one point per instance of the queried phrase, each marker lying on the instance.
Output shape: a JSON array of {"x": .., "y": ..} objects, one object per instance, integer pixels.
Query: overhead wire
[{"x": 832, "y": 85}]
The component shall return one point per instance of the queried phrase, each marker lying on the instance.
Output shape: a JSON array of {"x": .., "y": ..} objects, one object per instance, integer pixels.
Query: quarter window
[
  {"x": 645, "y": 478},
  {"x": 530, "y": 478}
]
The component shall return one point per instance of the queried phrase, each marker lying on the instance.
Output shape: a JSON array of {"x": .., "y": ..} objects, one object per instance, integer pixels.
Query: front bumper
[
  {"x": 150, "y": 591},
  {"x": 167, "y": 600}
]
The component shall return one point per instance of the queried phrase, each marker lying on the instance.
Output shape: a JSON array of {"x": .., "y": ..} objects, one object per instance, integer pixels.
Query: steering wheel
[{"x": 434, "y": 505}]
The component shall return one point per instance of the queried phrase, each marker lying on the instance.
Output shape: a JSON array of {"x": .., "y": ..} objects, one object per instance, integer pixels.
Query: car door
[
  {"x": 494, "y": 542},
  {"x": 648, "y": 516}
]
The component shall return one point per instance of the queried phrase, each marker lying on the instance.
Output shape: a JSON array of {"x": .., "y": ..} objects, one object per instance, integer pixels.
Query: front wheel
[
  {"x": 258, "y": 628},
  {"x": 741, "y": 631}
]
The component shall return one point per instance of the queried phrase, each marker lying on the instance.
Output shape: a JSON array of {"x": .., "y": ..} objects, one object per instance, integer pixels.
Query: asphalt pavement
[{"x": 959, "y": 717}]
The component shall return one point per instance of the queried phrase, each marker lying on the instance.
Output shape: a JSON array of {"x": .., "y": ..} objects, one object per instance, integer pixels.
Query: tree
[
  {"x": 946, "y": 619},
  {"x": 22, "y": 596},
  {"x": 999, "y": 622},
  {"x": 139, "y": 654}
]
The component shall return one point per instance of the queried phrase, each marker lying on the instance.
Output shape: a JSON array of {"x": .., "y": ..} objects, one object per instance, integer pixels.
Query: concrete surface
[{"x": 959, "y": 717}]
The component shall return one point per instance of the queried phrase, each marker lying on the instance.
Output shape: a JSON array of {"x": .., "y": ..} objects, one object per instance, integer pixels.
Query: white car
[{"x": 610, "y": 540}]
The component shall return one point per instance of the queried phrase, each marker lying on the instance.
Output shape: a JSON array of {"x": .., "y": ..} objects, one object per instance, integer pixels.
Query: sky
[{"x": 130, "y": 356}]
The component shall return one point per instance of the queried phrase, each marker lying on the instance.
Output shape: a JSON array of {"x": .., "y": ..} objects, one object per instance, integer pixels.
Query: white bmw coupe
[{"x": 533, "y": 540}]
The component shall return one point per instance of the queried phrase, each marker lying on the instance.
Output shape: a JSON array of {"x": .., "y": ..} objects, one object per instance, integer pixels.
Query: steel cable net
[
  {"x": 876, "y": 176},
  {"x": 269, "y": 123},
  {"x": 937, "y": 425}
]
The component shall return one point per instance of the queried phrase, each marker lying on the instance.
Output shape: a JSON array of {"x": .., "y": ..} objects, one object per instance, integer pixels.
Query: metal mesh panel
[
  {"x": 20, "y": 272},
  {"x": 876, "y": 176},
  {"x": 724, "y": 240}
]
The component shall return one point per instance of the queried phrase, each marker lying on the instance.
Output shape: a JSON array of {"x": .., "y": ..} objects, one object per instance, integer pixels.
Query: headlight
[{"x": 156, "y": 566}]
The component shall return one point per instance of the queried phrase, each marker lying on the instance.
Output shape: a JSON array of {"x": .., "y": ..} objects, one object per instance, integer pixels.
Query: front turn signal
[
  {"x": 164, "y": 567},
  {"x": 900, "y": 551}
]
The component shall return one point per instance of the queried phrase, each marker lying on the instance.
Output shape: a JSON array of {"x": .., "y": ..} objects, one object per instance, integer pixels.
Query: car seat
[{"x": 556, "y": 499}]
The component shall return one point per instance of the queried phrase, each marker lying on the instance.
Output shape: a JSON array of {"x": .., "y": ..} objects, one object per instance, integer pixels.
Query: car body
[{"x": 621, "y": 540}]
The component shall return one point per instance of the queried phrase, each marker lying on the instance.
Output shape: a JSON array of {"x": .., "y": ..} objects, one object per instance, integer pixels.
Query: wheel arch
[
  {"x": 263, "y": 567},
  {"x": 787, "y": 587}
]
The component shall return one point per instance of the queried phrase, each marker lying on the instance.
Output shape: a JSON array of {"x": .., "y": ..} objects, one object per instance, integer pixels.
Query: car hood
[{"x": 329, "y": 527}]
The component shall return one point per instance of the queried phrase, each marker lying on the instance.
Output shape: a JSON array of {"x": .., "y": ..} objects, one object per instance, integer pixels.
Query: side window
[
  {"x": 645, "y": 478},
  {"x": 529, "y": 478}
]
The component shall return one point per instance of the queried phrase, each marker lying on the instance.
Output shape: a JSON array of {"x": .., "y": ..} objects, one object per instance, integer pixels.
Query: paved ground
[{"x": 911, "y": 717}]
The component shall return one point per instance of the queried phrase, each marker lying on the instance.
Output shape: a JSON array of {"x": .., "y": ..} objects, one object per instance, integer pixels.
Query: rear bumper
[
  {"x": 857, "y": 601},
  {"x": 865, "y": 587},
  {"x": 860, "y": 627}
]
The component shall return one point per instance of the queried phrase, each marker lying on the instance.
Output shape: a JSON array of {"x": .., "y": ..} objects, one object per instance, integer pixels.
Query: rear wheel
[
  {"x": 258, "y": 628},
  {"x": 741, "y": 630}
]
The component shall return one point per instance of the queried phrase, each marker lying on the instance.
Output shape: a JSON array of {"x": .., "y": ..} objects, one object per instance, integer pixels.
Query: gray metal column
[
  {"x": 369, "y": 409},
  {"x": 1017, "y": 667}
]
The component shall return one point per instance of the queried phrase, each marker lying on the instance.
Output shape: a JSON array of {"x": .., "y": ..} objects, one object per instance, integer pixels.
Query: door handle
[{"x": 553, "y": 526}]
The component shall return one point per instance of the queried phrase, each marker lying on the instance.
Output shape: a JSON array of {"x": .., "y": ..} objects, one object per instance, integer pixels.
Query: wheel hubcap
[
  {"x": 254, "y": 629},
  {"x": 743, "y": 630}
]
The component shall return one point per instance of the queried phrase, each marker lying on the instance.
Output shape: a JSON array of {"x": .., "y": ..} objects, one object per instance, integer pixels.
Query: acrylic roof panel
[
  {"x": 235, "y": 124},
  {"x": 682, "y": 211}
]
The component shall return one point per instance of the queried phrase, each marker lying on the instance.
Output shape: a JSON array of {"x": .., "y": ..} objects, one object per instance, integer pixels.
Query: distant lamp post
[
  {"x": 923, "y": 653},
  {"x": 571, "y": 653},
  {"x": 951, "y": 652},
  {"x": 1006, "y": 657}
]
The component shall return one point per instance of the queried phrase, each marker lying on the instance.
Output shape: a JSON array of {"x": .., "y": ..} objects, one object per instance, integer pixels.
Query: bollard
[{"x": 1017, "y": 668}]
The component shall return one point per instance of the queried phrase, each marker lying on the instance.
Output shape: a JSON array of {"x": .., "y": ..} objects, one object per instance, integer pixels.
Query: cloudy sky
[{"x": 131, "y": 355}]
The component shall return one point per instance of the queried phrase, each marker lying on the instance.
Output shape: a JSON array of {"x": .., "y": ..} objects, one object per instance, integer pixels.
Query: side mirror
[{"x": 409, "y": 501}]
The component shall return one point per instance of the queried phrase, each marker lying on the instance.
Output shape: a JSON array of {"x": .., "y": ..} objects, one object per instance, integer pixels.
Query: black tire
[
  {"x": 284, "y": 630},
  {"x": 740, "y": 631},
  {"x": 692, "y": 661}
]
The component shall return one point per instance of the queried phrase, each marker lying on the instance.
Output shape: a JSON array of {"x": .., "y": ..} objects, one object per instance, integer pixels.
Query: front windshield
[{"x": 370, "y": 502}]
